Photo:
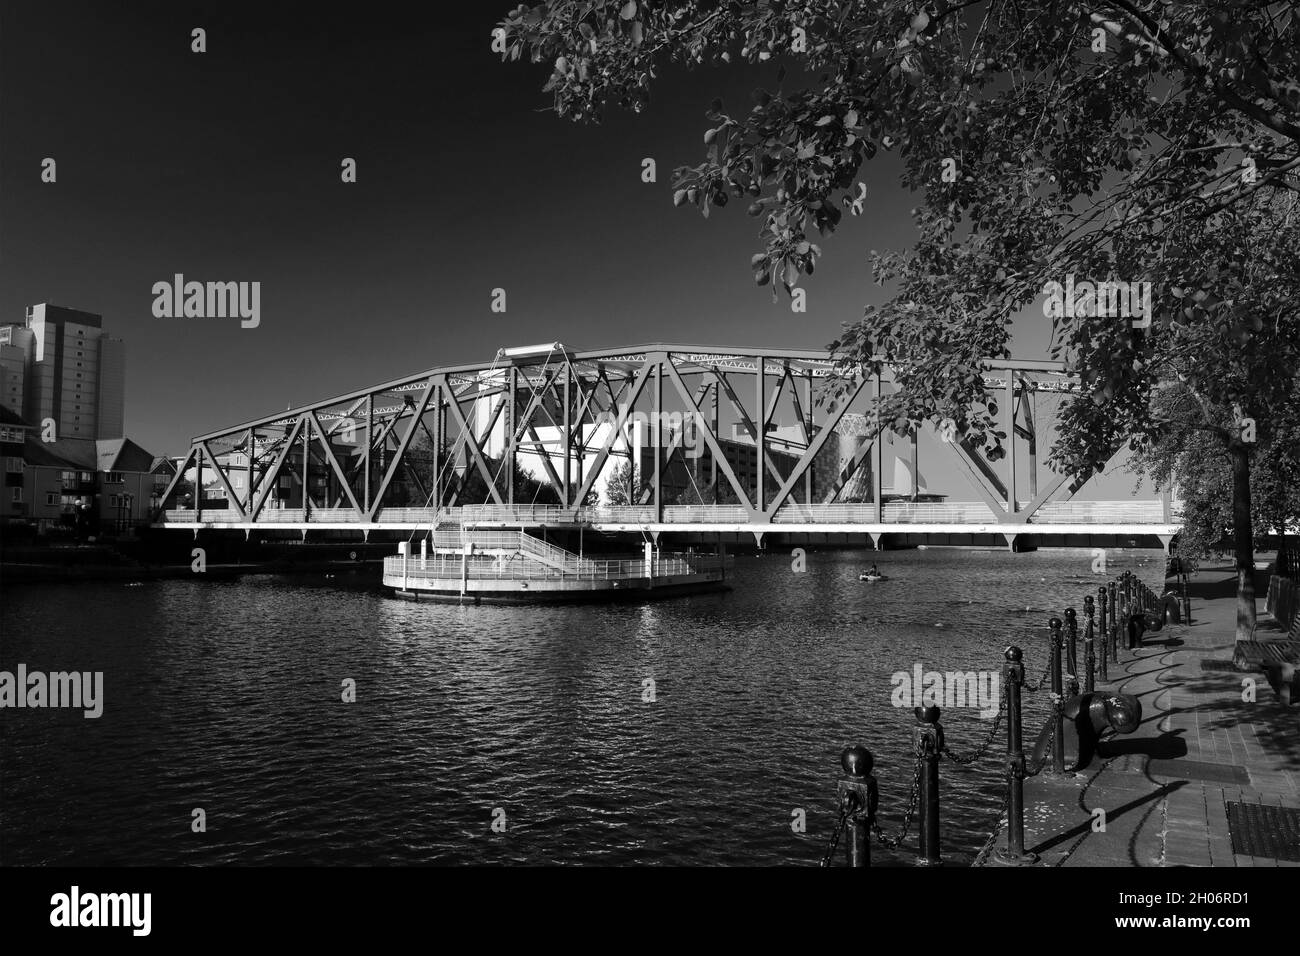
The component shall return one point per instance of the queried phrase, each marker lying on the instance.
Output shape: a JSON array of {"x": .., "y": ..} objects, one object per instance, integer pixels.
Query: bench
[{"x": 1278, "y": 659}]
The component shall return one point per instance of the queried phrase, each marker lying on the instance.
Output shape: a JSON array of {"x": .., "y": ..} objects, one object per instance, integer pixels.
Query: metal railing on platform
[
  {"x": 444, "y": 567},
  {"x": 510, "y": 542}
]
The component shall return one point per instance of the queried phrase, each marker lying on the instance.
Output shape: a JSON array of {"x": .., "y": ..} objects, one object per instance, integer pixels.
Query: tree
[
  {"x": 1276, "y": 485},
  {"x": 472, "y": 489},
  {"x": 1211, "y": 370},
  {"x": 623, "y": 486},
  {"x": 1204, "y": 474},
  {"x": 1134, "y": 140}
]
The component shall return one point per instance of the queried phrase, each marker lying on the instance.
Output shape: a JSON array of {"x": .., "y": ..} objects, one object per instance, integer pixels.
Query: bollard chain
[
  {"x": 983, "y": 748},
  {"x": 847, "y": 804},
  {"x": 1047, "y": 672},
  {"x": 1047, "y": 751},
  {"x": 911, "y": 808}
]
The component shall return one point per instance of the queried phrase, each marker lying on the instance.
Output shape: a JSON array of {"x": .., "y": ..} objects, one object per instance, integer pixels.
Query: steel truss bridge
[{"x": 523, "y": 440}]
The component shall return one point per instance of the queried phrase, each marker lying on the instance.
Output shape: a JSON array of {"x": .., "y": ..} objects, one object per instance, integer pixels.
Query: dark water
[{"x": 226, "y": 696}]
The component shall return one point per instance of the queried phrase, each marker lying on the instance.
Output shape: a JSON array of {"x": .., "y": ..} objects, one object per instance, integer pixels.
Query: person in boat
[{"x": 873, "y": 573}]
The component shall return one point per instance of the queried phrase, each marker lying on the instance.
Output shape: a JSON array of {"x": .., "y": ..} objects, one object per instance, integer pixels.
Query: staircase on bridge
[{"x": 507, "y": 546}]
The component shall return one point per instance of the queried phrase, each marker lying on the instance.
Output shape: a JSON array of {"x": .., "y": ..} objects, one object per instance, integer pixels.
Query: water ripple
[{"x": 227, "y": 697}]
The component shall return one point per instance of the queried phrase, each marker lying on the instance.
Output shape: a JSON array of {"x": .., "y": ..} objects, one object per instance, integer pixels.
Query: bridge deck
[{"x": 1053, "y": 518}]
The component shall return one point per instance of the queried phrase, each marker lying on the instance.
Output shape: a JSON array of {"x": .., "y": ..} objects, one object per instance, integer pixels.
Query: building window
[
  {"x": 51, "y": 497},
  {"x": 15, "y": 464},
  {"x": 113, "y": 478},
  {"x": 87, "y": 476},
  {"x": 113, "y": 501},
  {"x": 17, "y": 494}
]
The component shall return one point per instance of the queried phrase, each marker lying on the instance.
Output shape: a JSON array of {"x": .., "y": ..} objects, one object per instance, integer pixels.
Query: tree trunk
[{"x": 1243, "y": 539}]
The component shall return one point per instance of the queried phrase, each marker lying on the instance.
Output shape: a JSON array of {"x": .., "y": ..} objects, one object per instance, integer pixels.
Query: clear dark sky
[{"x": 225, "y": 166}]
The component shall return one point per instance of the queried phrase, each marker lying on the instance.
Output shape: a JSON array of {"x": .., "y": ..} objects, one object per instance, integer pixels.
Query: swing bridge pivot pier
[{"x": 699, "y": 446}]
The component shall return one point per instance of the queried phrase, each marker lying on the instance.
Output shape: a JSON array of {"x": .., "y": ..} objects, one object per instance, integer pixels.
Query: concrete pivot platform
[{"x": 567, "y": 592}]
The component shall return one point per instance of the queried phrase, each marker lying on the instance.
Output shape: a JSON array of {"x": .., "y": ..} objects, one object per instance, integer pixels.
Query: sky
[{"x": 225, "y": 166}]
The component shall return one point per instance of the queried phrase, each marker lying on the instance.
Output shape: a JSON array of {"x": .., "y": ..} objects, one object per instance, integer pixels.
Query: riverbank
[
  {"x": 134, "y": 560},
  {"x": 1208, "y": 779},
  {"x": 18, "y": 573}
]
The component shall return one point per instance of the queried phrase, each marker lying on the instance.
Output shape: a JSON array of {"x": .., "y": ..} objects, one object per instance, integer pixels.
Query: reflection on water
[{"x": 227, "y": 696}]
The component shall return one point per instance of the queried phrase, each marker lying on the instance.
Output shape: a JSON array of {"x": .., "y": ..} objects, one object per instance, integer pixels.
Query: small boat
[{"x": 871, "y": 577}]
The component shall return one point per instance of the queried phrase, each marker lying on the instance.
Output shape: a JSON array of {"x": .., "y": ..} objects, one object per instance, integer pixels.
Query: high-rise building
[
  {"x": 67, "y": 370},
  {"x": 17, "y": 345}
]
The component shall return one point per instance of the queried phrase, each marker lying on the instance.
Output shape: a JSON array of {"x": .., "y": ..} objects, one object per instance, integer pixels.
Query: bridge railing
[
  {"x": 704, "y": 514},
  {"x": 936, "y": 512},
  {"x": 408, "y": 515},
  {"x": 277, "y": 516},
  {"x": 1100, "y": 512},
  {"x": 515, "y": 514},
  {"x": 892, "y": 512},
  {"x": 335, "y": 515},
  {"x": 618, "y": 514}
]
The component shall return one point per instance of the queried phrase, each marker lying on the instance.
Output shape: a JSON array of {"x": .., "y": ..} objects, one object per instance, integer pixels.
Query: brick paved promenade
[{"x": 1165, "y": 788}]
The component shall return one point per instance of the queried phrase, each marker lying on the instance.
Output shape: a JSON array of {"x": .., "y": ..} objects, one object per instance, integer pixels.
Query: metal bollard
[
  {"x": 1136, "y": 626},
  {"x": 1058, "y": 735},
  {"x": 1114, "y": 622},
  {"x": 1089, "y": 650},
  {"x": 1113, "y": 634},
  {"x": 1187, "y": 601},
  {"x": 859, "y": 786},
  {"x": 1102, "y": 630},
  {"x": 1072, "y": 648},
  {"x": 1015, "y": 854},
  {"x": 928, "y": 739}
]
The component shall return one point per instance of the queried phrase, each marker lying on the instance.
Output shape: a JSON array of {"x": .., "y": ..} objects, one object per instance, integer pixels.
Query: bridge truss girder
[{"x": 437, "y": 437}]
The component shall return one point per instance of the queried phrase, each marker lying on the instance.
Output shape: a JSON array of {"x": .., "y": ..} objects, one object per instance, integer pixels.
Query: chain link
[
  {"x": 846, "y": 807},
  {"x": 1051, "y": 738},
  {"x": 983, "y": 748},
  {"x": 1042, "y": 681},
  {"x": 1072, "y": 672},
  {"x": 911, "y": 809}
]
